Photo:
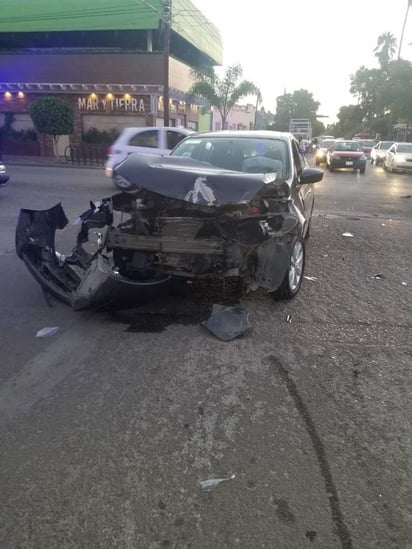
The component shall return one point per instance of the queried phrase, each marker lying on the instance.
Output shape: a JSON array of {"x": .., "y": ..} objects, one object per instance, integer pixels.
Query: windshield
[
  {"x": 347, "y": 146},
  {"x": 368, "y": 143},
  {"x": 327, "y": 143},
  {"x": 386, "y": 144},
  {"x": 404, "y": 148},
  {"x": 241, "y": 154}
]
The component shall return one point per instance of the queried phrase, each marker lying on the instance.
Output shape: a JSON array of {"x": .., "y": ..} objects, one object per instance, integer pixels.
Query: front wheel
[
  {"x": 362, "y": 171},
  {"x": 294, "y": 274}
]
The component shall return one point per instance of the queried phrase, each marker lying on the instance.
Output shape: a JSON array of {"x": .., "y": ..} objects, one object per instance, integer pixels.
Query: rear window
[
  {"x": 241, "y": 154},
  {"x": 347, "y": 146},
  {"x": 404, "y": 148}
]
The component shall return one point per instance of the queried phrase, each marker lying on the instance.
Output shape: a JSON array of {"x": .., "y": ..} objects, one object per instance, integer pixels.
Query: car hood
[{"x": 197, "y": 182}]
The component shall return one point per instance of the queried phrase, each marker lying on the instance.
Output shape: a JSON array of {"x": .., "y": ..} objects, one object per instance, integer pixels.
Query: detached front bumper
[{"x": 80, "y": 280}]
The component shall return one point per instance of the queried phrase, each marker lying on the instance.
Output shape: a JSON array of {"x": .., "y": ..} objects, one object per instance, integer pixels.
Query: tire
[
  {"x": 294, "y": 274},
  {"x": 331, "y": 168},
  {"x": 362, "y": 171}
]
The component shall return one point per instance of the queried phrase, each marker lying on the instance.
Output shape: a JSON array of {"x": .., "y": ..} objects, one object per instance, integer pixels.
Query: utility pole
[
  {"x": 167, "y": 17},
  {"x": 403, "y": 28}
]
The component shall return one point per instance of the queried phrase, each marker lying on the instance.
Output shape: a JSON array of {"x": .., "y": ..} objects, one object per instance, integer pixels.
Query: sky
[{"x": 315, "y": 45}]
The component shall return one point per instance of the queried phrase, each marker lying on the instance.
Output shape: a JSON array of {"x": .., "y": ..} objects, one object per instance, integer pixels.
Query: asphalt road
[{"x": 107, "y": 428}]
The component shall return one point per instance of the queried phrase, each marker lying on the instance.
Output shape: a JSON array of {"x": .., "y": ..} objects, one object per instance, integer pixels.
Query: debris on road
[
  {"x": 289, "y": 319},
  {"x": 311, "y": 535},
  {"x": 312, "y": 278},
  {"x": 379, "y": 276},
  {"x": 227, "y": 323},
  {"x": 348, "y": 234},
  {"x": 404, "y": 283},
  {"x": 48, "y": 331},
  {"x": 406, "y": 196},
  {"x": 211, "y": 483},
  {"x": 353, "y": 217}
]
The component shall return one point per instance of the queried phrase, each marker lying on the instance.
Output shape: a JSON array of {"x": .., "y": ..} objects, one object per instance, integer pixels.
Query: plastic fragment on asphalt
[
  {"x": 379, "y": 276},
  {"x": 48, "y": 331},
  {"x": 312, "y": 278},
  {"x": 289, "y": 319},
  {"x": 404, "y": 283},
  {"x": 211, "y": 483},
  {"x": 228, "y": 322},
  {"x": 348, "y": 234}
]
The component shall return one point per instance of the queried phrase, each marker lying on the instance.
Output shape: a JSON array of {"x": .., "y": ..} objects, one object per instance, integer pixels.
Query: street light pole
[
  {"x": 167, "y": 13},
  {"x": 403, "y": 28}
]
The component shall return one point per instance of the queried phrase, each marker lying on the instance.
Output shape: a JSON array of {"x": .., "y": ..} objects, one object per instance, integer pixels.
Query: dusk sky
[{"x": 314, "y": 45}]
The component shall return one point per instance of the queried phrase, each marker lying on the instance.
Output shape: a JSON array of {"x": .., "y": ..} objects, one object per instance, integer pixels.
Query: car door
[{"x": 390, "y": 155}]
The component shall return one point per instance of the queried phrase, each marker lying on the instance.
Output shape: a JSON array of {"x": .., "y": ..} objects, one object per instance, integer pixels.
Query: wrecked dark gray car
[{"x": 224, "y": 204}]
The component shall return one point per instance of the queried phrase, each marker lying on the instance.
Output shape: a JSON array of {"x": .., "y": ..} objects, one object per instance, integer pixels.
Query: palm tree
[
  {"x": 385, "y": 48},
  {"x": 222, "y": 93},
  {"x": 403, "y": 27}
]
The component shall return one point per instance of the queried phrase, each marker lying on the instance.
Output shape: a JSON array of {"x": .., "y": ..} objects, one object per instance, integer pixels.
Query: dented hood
[{"x": 196, "y": 182}]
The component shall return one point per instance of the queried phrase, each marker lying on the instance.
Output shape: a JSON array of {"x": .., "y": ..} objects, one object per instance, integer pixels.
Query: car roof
[
  {"x": 144, "y": 128},
  {"x": 259, "y": 134}
]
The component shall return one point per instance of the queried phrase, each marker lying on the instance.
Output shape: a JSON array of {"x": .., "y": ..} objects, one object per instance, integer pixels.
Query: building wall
[{"x": 241, "y": 117}]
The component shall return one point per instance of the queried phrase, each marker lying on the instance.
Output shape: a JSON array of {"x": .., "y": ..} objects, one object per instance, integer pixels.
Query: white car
[
  {"x": 3, "y": 175},
  {"x": 148, "y": 140},
  {"x": 378, "y": 152},
  {"x": 398, "y": 157}
]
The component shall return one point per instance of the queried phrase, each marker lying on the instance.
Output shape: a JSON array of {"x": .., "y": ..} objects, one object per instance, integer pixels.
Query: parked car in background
[
  {"x": 3, "y": 175},
  {"x": 222, "y": 204},
  {"x": 367, "y": 145},
  {"x": 347, "y": 154},
  {"x": 378, "y": 152},
  {"x": 324, "y": 146},
  {"x": 398, "y": 157},
  {"x": 147, "y": 140}
]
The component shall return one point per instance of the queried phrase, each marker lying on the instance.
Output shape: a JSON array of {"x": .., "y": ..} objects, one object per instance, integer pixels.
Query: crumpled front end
[{"x": 149, "y": 238}]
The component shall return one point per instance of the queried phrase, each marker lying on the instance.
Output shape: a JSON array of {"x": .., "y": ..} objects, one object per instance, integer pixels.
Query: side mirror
[{"x": 310, "y": 175}]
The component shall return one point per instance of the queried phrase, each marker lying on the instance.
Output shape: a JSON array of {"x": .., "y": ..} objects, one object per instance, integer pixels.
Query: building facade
[{"x": 109, "y": 64}]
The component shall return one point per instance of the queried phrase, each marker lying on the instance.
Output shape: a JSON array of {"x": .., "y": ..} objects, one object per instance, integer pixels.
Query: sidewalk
[{"x": 43, "y": 161}]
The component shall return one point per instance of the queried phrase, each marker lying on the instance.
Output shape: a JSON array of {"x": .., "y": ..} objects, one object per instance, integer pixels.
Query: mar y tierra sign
[{"x": 116, "y": 104}]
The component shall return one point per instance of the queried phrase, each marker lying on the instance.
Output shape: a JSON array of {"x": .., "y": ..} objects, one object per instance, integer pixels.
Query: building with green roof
[{"x": 104, "y": 51}]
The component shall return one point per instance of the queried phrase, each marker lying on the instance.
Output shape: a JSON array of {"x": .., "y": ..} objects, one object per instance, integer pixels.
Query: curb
[{"x": 46, "y": 165}]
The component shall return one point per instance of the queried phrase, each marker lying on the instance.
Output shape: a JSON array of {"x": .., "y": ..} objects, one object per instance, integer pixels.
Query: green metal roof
[{"x": 83, "y": 15}]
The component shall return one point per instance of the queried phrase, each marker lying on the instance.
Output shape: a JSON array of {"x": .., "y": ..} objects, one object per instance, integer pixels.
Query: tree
[
  {"x": 350, "y": 121},
  {"x": 385, "y": 48},
  {"x": 299, "y": 104},
  {"x": 222, "y": 93},
  {"x": 52, "y": 116}
]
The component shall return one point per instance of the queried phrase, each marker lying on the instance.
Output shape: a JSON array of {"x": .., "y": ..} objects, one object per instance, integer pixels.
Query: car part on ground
[{"x": 184, "y": 219}]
